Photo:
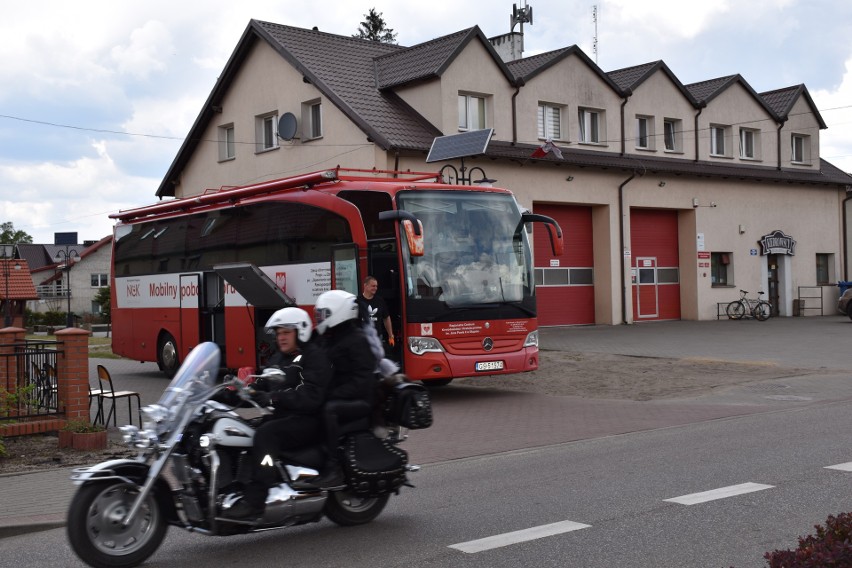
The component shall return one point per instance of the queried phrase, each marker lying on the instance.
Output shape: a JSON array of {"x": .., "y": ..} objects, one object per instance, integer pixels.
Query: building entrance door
[
  {"x": 773, "y": 294},
  {"x": 646, "y": 287}
]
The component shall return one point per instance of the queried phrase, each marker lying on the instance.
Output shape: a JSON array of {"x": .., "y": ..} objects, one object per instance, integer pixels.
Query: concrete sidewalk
[{"x": 474, "y": 421}]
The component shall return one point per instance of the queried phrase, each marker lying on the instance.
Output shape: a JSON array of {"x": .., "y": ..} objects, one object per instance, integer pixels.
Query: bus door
[
  {"x": 190, "y": 311},
  {"x": 383, "y": 264},
  {"x": 646, "y": 287},
  {"x": 213, "y": 309}
]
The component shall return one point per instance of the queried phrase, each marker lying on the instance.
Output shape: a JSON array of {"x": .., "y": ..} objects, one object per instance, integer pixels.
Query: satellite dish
[{"x": 287, "y": 126}]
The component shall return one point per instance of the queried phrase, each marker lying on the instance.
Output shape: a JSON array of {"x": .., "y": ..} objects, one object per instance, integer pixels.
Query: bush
[{"x": 829, "y": 547}]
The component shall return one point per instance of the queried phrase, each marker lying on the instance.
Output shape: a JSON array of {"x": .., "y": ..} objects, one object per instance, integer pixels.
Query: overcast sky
[{"x": 97, "y": 95}]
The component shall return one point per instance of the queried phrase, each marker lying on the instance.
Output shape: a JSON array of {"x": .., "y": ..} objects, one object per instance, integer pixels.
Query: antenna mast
[{"x": 595, "y": 38}]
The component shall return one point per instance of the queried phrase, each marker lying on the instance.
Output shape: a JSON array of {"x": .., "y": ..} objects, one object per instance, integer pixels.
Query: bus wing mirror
[
  {"x": 554, "y": 231},
  {"x": 411, "y": 225}
]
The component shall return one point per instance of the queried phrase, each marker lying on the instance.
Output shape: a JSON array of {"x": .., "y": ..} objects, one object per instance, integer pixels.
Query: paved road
[{"x": 473, "y": 422}]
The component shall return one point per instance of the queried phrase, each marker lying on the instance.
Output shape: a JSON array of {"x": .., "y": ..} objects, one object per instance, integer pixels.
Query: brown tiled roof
[
  {"x": 424, "y": 61},
  {"x": 628, "y": 77},
  {"x": 706, "y": 90},
  {"x": 20, "y": 282},
  {"x": 579, "y": 158},
  {"x": 529, "y": 66},
  {"x": 781, "y": 101}
]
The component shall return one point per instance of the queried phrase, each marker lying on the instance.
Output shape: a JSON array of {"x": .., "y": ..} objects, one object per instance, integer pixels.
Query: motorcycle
[{"x": 193, "y": 461}]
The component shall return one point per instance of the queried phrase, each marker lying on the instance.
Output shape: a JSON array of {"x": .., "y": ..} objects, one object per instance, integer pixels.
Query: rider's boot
[
  {"x": 251, "y": 506},
  {"x": 331, "y": 477}
]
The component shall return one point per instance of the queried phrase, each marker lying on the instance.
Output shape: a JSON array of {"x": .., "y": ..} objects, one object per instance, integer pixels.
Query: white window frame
[
  {"x": 227, "y": 143},
  {"x": 312, "y": 120},
  {"x": 672, "y": 135},
  {"x": 591, "y": 126},
  {"x": 645, "y": 132},
  {"x": 102, "y": 278},
  {"x": 718, "y": 137},
  {"x": 266, "y": 132},
  {"x": 549, "y": 121},
  {"x": 473, "y": 112},
  {"x": 749, "y": 144},
  {"x": 804, "y": 156}
]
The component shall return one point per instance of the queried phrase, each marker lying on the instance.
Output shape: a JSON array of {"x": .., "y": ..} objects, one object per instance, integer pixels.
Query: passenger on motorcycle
[
  {"x": 354, "y": 365},
  {"x": 297, "y": 401}
]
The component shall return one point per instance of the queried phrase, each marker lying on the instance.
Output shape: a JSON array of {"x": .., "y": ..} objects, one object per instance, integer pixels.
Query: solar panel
[{"x": 459, "y": 145}]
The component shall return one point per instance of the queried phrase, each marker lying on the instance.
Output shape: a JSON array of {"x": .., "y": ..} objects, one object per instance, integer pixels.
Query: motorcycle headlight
[
  {"x": 532, "y": 339},
  {"x": 421, "y": 345}
]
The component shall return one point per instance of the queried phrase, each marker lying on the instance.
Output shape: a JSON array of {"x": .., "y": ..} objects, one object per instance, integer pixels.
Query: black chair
[
  {"x": 108, "y": 392},
  {"x": 46, "y": 387}
]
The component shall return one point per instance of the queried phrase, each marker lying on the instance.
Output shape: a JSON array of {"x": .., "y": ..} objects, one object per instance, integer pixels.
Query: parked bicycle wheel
[
  {"x": 736, "y": 310},
  {"x": 762, "y": 311}
]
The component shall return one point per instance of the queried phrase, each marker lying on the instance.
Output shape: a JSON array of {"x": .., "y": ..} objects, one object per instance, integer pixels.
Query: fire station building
[{"x": 672, "y": 198}]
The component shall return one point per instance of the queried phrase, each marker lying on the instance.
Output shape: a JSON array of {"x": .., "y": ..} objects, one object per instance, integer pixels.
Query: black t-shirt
[{"x": 377, "y": 311}]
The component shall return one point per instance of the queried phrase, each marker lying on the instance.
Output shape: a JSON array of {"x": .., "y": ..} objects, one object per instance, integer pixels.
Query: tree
[
  {"x": 8, "y": 234},
  {"x": 374, "y": 28}
]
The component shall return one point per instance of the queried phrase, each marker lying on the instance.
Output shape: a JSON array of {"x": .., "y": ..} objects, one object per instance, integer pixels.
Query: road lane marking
[
  {"x": 516, "y": 537},
  {"x": 721, "y": 493},
  {"x": 840, "y": 467}
]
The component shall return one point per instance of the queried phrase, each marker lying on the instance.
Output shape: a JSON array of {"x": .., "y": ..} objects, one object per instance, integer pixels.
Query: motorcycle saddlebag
[
  {"x": 373, "y": 466},
  {"x": 408, "y": 405}
]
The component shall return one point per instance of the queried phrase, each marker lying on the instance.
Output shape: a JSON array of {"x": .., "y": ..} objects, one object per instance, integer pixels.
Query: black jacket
[
  {"x": 307, "y": 380},
  {"x": 352, "y": 361}
]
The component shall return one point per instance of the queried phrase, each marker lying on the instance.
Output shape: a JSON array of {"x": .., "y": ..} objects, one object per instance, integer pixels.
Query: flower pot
[{"x": 83, "y": 440}]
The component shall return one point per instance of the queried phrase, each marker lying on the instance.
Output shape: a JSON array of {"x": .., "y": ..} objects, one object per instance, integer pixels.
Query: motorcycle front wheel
[
  {"x": 97, "y": 534},
  {"x": 347, "y": 509}
]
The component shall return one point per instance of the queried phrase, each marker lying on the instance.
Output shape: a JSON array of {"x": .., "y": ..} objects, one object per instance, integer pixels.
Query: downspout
[
  {"x": 845, "y": 236},
  {"x": 396, "y": 163},
  {"x": 701, "y": 106},
  {"x": 627, "y": 94},
  {"x": 780, "y": 126},
  {"x": 623, "y": 246},
  {"x": 519, "y": 82}
]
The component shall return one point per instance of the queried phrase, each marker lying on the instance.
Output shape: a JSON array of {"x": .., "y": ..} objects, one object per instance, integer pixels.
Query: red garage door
[
  {"x": 565, "y": 287},
  {"x": 655, "y": 269}
]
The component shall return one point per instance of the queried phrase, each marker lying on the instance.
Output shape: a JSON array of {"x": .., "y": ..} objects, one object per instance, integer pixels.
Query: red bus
[{"x": 214, "y": 267}]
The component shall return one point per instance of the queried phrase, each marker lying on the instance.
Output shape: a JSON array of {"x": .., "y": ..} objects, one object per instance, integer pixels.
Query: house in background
[
  {"x": 16, "y": 288},
  {"x": 67, "y": 270},
  {"x": 671, "y": 197}
]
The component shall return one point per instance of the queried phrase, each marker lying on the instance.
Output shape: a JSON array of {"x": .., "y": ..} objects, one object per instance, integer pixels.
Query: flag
[{"x": 546, "y": 149}]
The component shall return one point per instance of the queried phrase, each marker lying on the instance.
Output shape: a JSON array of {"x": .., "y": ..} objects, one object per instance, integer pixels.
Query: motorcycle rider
[
  {"x": 354, "y": 362},
  {"x": 297, "y": 403}
]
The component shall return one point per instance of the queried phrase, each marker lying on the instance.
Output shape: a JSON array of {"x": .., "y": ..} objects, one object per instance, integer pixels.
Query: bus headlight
[
  {"x": 421, "y": 345},
  {"x": 532, "y": 339}
]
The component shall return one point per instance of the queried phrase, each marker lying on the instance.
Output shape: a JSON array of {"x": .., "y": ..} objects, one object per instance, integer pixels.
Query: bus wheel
[
  {"x": 167, "y": 355},
  {"x": 437, "y": 382}
]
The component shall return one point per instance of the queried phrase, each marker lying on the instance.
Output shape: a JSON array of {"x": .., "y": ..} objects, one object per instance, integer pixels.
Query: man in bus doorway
[{"x": 377, "y": 309}]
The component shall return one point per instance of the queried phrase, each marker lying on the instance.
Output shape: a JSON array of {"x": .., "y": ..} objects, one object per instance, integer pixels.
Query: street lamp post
[
  {"x": 68, "y": 256},
  {"x": 7, "y": 320}
]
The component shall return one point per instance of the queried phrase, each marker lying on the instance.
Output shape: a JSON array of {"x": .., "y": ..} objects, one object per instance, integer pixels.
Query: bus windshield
[{"x": 476, "y": 251}]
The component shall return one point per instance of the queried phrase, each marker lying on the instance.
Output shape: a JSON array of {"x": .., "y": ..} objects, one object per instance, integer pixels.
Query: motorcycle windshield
[{"x": 195, "y": 377}]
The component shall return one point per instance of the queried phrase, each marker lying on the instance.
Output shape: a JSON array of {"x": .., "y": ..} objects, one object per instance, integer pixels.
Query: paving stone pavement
[{"x": 475, "y": 421}]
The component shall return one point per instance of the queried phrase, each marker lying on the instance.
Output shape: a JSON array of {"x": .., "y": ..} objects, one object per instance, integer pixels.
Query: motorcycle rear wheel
[
  {"x": 95, "y": 530},
  {"x": 347, "y": 509}
]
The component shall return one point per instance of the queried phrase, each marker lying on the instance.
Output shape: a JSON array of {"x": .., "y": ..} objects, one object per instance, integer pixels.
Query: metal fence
[{"x": 34, "y": 390}]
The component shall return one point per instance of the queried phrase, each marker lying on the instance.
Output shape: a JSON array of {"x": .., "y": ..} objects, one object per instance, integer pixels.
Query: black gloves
[{"x": 262, "y": 398}]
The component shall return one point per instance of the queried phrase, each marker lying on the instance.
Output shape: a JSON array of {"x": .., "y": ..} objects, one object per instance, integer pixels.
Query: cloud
[
  {"x": 146, "y": 53},
  {"x": 834, "y": 105}
]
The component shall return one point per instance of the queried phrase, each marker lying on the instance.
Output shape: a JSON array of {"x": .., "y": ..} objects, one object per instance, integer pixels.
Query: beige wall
[
  {"x": 659, "y": 98},
  {"x": 737, "y": 108}
]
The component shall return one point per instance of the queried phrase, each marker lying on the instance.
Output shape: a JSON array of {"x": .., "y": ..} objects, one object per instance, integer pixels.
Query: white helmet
[
  {"x": 292, "y": 318},
  {"x": 333, "y": 308}
]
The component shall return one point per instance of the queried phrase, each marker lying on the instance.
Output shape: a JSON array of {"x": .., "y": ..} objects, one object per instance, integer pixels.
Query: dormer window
[
  {"x": 549, "y": 121},
  {"x": 471, "y": 112},
  {"x": 801, "y": 149}
]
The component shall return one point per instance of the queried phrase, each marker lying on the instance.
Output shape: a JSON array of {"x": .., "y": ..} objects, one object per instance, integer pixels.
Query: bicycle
[{"x": 759, "y": 309}]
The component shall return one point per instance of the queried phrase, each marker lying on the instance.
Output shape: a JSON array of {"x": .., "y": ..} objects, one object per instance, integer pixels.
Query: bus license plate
[{"x": 489, "y": 366}]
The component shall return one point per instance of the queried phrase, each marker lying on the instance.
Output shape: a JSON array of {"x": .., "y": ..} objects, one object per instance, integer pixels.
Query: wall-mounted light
[
  {"x": 741, "y": 229},
  {"x": 695, "y": 202},
  {"x": 569, "y": 178},
  {"x": 662, "y": 184}
]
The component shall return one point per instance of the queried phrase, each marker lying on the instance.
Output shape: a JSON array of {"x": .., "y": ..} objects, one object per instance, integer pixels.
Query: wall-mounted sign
[
  {"x": 777, "y": 242},
  {"x": 699, "y": 242},
  {"x": 752, "y": 252},
  {"x": 704, "y": 254},
  {"x": 554, "y": 262}
]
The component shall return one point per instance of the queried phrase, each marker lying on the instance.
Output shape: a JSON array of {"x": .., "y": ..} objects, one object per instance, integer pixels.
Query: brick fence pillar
[{"x": 72, "y": 371}]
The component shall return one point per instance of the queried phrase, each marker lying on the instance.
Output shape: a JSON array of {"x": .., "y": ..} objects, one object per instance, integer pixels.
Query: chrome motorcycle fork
[{"x": 153, "y": 474}]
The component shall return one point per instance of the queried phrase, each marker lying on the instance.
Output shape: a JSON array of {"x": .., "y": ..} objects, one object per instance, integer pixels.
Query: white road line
[
  {"x": 516, "y": 537},
  {"x": 840, "y": 467},
  {"x": 721, "y": 493}
]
